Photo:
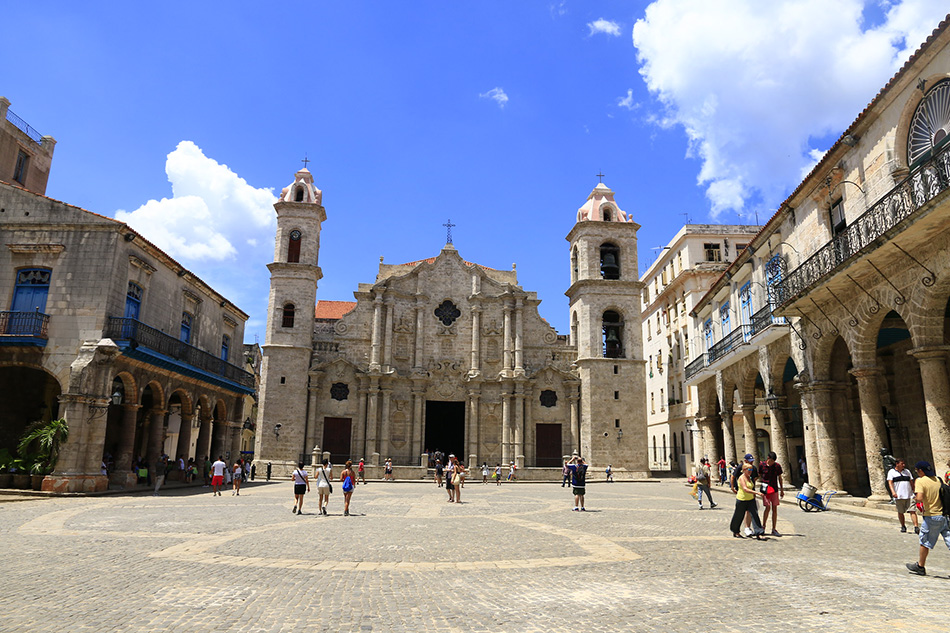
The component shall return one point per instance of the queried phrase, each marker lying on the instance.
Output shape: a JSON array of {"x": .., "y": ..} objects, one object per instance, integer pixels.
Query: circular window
[
  {"x": 295, "y": 235},
  {"x": 930, "y": 125},
  {"x": 339, "y": 391},
  {"x": 447, "y": 313}
]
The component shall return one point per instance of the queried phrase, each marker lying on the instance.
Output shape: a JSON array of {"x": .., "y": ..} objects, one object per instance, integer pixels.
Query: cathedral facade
[{"x": 445, "y": 354}]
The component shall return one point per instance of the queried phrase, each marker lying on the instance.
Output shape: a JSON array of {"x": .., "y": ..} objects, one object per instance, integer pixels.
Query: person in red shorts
[
  {"x": 217, "y": 475},
  {"x": 770, "y": 479}
]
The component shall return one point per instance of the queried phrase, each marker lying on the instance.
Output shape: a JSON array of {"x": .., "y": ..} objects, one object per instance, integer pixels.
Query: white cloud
[
  {"x": 606, "y": 27},
  {"x": 497, "y": 94},
  {"x": 210, "y": 210},
  {"x": 628, "y": 102},
  {"x": 753, "y": 83}
]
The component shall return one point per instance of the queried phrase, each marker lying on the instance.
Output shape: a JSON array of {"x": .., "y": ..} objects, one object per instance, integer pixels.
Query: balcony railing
[
  {"x": 139, "y": 334},
  {"x": 727, "y": 343},
  {"x": 908, "y": 196},
  {"x": 763, "y": 319},
  {"x": 24, "y": 324},
  {"x": 696, "y": 366},
  {"x": 24, "y": 127}
]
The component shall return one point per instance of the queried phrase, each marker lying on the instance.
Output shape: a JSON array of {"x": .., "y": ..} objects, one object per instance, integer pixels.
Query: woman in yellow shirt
[{"x": 745, "y": 502}]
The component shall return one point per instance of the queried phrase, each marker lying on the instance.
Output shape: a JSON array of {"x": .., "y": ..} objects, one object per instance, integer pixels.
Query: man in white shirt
[
  {"x": 901, "y": 485},
  {"x": 217, "y": 475}
]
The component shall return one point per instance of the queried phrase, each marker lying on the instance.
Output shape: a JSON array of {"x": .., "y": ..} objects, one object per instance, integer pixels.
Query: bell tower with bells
[
  {"x": 605, "y": 328},
  {"x": 294, "y": 273}
]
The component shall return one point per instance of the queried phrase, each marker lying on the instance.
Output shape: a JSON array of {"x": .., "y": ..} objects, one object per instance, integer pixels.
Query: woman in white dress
[{"x": 324, "y": 488}]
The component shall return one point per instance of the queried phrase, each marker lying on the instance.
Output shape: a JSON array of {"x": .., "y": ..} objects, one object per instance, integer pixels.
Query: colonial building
[
  {"x": 445, "y": 354},
  {"x": 103, "y": 328},
  {"x": 827, "y": 338},
  {"x": 25, "y": 155},
  {"x": 673, "y": 284}
]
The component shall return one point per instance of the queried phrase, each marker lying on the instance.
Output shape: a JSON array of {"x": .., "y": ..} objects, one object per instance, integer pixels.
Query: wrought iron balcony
[
  {"x": 696, "y": 366},
  {"x": 139, "y": 334},
  {"x": 24, "y": 328},
  {"x": 763, "y": 319},
  {"x": 923, "y": 184},
  {"x": 728, "y": 343}
]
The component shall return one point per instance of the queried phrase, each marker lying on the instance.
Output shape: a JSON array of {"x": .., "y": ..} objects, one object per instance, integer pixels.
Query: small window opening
[{"x": 288, "y": 316}]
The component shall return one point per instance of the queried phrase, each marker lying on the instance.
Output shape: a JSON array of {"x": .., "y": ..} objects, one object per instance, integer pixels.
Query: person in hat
[
  {"x": 934, "y": 524},
  {"x": 901, "y": 485}
]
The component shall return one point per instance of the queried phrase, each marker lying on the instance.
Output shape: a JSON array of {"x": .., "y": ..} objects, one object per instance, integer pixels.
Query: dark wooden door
[
  {"x": 336, "y": 438},
  {"x": 548, "y": 445}
]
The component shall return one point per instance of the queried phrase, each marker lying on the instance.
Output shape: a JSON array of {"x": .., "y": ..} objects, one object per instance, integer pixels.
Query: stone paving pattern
[{"x": 510, "y": 558}]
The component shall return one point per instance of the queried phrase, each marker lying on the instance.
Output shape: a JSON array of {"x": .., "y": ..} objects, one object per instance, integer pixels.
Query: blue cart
[{"x": 810, "y": 500}]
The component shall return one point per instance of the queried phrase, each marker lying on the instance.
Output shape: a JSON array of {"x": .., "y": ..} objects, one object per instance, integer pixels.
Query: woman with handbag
[
  {"x": 745, "y": 502},
  {"x": 324, "y": 487},
  {"x": 301, "y": 487},
  {"x": 348, "y": 477}
]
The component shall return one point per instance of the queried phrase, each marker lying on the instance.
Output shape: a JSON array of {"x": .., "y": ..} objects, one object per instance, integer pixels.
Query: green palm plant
[{"x": 41, "y": 442}]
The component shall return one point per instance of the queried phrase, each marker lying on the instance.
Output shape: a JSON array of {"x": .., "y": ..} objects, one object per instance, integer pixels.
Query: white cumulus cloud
[
  {"x": 628, "y": 102},
  {"x": 753, "y": 83},
  {"x": 497, "y": 94},
  {"x": 606, "y": 27},
  {"x": 211, "y": 209}
]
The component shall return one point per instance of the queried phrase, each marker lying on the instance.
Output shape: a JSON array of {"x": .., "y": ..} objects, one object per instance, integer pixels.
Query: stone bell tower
[
  {"x": 605, "y": 327},
  {"x": 294, "y": 273}
]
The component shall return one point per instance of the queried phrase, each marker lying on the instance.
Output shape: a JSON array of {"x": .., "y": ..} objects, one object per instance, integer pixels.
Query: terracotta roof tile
[{"x": 332, "y": 309}]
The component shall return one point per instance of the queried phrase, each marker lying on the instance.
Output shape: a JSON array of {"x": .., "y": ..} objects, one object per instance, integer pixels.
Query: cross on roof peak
[
  {"x": 600, "y": 177},
  {"x": 448, "y": 231},
  {"x": 305, "y": 161}
]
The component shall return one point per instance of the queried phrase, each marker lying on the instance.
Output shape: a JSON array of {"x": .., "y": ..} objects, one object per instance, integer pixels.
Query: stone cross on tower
[
  {"x": 448, "y": 231},
  {"x": 305, "y": 161}
]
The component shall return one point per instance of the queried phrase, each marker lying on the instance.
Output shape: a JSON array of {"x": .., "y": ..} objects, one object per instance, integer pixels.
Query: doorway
[
  {"x": 549, "y": 445},
  {"x": 445, "y": 428},
  {"x": 336, "y": 438}
]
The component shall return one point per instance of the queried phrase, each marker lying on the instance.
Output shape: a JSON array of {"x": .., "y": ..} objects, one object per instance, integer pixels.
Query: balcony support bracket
[
  {"x": 900, "y": 298},
  {"x": 930, "y": 278},
  {"x": 877, "y": 306}
]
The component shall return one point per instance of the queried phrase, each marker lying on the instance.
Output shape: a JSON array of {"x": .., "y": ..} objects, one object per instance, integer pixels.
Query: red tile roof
[
  {"x": 432, "y": 259},
  {"x": 332, "y": 309}
]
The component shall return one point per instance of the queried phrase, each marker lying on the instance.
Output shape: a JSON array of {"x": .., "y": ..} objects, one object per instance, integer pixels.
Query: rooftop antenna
[{"x": 687, "y": 218}]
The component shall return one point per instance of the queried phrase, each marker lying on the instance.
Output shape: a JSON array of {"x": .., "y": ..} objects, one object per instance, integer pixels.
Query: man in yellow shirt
[{"x": 934, "y": 524}]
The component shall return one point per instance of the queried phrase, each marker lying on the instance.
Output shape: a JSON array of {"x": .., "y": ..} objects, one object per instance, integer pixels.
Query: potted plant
[
  {"x": 42, "y": 441},
  {"x": 6, "y": 462}
]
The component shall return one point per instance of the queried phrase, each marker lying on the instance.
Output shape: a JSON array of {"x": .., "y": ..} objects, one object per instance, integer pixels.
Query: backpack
[
  {"x": 348, "y": 484},
  {"x": 945, "y": 498}
]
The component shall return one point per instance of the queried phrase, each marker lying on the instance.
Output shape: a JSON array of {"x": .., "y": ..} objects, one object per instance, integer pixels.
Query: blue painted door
[{"x": 32, "y": 287}]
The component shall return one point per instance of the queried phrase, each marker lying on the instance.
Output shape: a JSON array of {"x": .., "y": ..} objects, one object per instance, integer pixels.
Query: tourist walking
[
  {"x": 459, "y": 480},
  {"x": 237, "y": 478},
  {"x": 498, "y": 476},
  {"x": 901, "y": 484},
  {"x": 935, "y": 523},
  {"x": 361, "y": 471},
  {"x": 745, "y": 504},
  {"x": 578, "y": 481},
  {"x": 388, "y": 469},
  {"x": 511, "y": 471},
  {"x": 610, "y": 474},
  {"x": 439, "y": 470},
  {"x": 348, "y": 478},
  {"x": 301, "y": 487},
  {"x": 218, "y": 469},
  {"x": 449, "y": 478},
  {"x": 772, "y": 488},
  {"x": 722, "y": 471},
  {"x": 485, "y": 470},
  {"x": 324, "y": 487},
  {"x": 703, "y": 476},
  {"x": 161, "y": 466},
  {"x": 565, "y": 474}
]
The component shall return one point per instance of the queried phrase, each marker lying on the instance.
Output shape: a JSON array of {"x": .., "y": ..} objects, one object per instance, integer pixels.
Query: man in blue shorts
[
  {"x": 934, "y": 524},
  {"x": 578, "y": 481}
]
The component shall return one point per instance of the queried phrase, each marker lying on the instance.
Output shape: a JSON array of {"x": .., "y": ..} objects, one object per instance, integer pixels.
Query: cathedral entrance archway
[
  {"x": 445, "y": 427},
  {"x": 336, "y": 438}
]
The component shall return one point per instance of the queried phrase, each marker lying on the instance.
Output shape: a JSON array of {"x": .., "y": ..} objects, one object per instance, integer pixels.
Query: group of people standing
[
  {"x": 748, "y": 483},
  {"x": 323, "y": 476}
]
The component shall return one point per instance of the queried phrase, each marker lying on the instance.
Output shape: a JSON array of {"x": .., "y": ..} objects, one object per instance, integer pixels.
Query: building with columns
[
  {"x": 827, "y": 337},
  {"x": 449, "y": 355},
  {"x": 674, "y": 283},
  {"x": 106, "y": 330}
]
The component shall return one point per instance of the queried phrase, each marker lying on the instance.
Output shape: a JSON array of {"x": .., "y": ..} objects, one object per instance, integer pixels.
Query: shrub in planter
[{"x": 39, "y": 446}]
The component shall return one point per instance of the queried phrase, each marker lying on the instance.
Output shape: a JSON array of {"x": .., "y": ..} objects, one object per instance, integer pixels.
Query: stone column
[
  {"x": 388, "y": 335},
  {"x": 780, "y": 440},
  {"x": 156, "y": 436},
  {"x": 235, "y": 427},
  {"x": 530, "y": 439},
  {"x": 933, "y": 375},
  {"x": 519, "y": 427},
  {"x": 418, "y": 419},
  {"x": 420, "y": 330},
  {"x": 809, "y": 439},
  {"x": 372, "y": 419},
  {"x": 376, "y": 342},
  {"x": 219, "y": 438},
  {"x": 476, "y": 339},
  {"x": 823, "y": 421},
  {"x": 383, "y": 443},
  {"x": 203, "y": 449},
  {"x": 183, "y": 447},
  {"x": 728, "y": 439},
  {"x": 748, "y": 430},
  {"x": 506, "y": 455},
  {"x": 314, "y": 424},
  {"x": 472, "y": 429},
  {"x": 359, "y": 441},
  {"x": 872, "y": 424},
  {"x": 574, "y": 402},
  {"x": 507, "y": 353},
  {"x": 123, "y": 458},
  {"x": 519, "y": 339}
]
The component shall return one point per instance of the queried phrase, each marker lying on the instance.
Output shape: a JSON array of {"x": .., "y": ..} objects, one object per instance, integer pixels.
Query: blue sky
[{"x": 184, "y": 119}]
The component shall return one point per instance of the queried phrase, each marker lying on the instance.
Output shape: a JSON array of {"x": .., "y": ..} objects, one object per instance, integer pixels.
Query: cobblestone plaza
[{"x": 509, "y": 558}]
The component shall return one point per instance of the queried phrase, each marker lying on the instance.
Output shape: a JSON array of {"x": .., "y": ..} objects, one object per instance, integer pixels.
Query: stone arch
[
  {"x": 187, "y": 404},
  {"x": 130, "y": 392},
  {"x": 930, "y": 303},
  {"x": 862, "y": 341},
  {"x": 157, "y": 393}
]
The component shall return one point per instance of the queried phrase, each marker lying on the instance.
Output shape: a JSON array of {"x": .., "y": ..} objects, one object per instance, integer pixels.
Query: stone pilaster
[
  {"x": 933, "y": 375},
  {"x": 748, "y": 430},
  {"x": 872, "y": 425},
  {"x": 728, "y": 439}
]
